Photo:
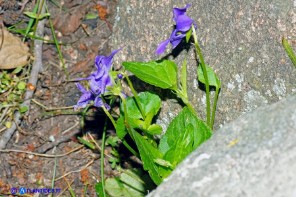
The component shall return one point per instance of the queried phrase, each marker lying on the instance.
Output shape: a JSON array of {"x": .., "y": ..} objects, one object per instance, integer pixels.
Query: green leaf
[
  {"x": 36, "y": 16},
  {"x": 213, "y": 79},
  {"x": 99, "y": 189},
  {"x": 162, "y": 74},
  {"x": 17, "y": 70},
  {"x": 188, "y": 35},
  {"x": 164, "y": 163},
  {"x": 154, "y": 129},
  {"x": 87, "y": 143},
  {"x": 183, "y": 146},
  {"x": 150, "y": 103},
  {"x": 91, "y": 16},
  {"x": 21, "y": 85},
  {"x": 120, "y": 128},
  {"x": 184, "y": 134},
  {"x": 289, "y": 50},
  {"x": 112, "y": 140},
  {"x": 23, "y": 109},
  {"x": 131, "y": 183},
  {"x": 148, "y": 154}
]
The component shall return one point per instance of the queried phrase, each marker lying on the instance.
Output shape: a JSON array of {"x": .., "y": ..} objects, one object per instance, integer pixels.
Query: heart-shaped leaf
[
  {"x": 184, "y": 134},
  {"x": 162, "y": 74}
]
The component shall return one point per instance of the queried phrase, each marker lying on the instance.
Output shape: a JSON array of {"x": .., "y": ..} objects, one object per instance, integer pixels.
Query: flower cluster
[
  {"x": 98, "y": 82},
  {"x": 183, "y": 24}
]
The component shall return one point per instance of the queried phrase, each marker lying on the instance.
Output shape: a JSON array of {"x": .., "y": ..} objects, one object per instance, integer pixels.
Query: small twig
[
  {"x": 4, "y": 113},
  {"x": 39, "y": 154},
  {"x": 23, "y": 5},
  {"x": 88, "y": 164},
  {"x": 60, "y": 194},
  {"x": 37, "y": 65},
  {"x": 3, "y": 129},
  {"x": 51, "y": 109},
  {"x": 67, "y": 130},
  {"x": 98, "y": 145}
]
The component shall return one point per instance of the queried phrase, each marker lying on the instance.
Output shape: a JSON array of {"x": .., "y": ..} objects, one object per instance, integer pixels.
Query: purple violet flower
[
  {"x": 85, "y": 98},
  {"x": 98, "y": 82},
  {"x": 183, "y": 24}
]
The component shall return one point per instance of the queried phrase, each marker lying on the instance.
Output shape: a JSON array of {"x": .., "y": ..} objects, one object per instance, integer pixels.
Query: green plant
[{"x": 137, "y": 114}]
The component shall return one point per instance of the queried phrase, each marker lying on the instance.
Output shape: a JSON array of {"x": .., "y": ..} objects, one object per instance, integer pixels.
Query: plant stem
[
  {"x": 214, "y": 107},
  {"x": 103, "y": 156},
  {"x": 109, "y": 116},
  {"x": 135, "y": 96},
  {"x": 130, "y": 148},
  {"x": 183, "y": 93},
  {"x": 184, "y": 98},
  {"x": 203, "y": 65}
]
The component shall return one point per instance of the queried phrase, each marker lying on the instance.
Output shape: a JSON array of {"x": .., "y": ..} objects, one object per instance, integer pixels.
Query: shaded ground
[{"x": 42, "y": 130}]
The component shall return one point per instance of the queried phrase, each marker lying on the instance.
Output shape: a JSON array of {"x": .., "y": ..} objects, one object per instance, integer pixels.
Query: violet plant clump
[{"x": 136, "y": 117}]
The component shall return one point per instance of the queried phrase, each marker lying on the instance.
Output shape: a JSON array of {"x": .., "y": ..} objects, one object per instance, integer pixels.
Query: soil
[{"x": 55, "y": 132}]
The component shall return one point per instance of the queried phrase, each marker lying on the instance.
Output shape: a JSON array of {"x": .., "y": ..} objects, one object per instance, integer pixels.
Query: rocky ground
[{"x": 54, "y": 132}]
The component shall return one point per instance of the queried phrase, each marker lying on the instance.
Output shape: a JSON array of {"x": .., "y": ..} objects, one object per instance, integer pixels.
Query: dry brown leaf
[
  {"x": 14, "y": 52},
  {"x": 69, "y": 22}
]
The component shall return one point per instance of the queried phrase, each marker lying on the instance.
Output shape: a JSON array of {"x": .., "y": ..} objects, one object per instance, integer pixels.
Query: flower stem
[
  {"x": 214, "y": 107},
  {"x": 114, "y": 125},
  {"x": 184, "y": 95},
  {"x": 203, "y": 65},
  {"x": 109, "y": 116},
  {"x": 103, "y": 157},
  {"x": 184, "y": 98}
]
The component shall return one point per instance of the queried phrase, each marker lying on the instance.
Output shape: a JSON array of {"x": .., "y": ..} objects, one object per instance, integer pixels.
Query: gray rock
[
  {"x": 240, "y": 39},
  {"x": 254, "y": 155}
]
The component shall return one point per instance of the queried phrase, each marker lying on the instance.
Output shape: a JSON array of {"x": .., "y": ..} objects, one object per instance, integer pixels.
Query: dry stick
[
  {"x": 88, "y": 164},
  {"x": 41, "y": 155},
  {"x": 33, "y": 80}
]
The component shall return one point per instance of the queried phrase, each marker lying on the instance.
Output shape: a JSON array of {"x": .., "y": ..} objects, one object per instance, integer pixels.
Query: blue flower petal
[
  {"x": 85, "y": 98},
  {"x": 102, "y": 61},
  {"x": 176, "y": 38},
  {"x": 162, "y": 46},
  {"x": 81, "y": 88},
  {"x": 183, "y": 23},
  {"x": 98, "y": 102},
  {"x": 179, "y": 12}
]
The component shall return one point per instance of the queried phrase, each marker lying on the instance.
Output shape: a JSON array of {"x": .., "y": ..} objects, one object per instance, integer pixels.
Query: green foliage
[
  {"x": 289, "y": 50},
  {"x": 36, "y": 16},
  {"x": 188, "y": 35},
  {"x": 131, "y": 183},
  {"x": 136, "y": 120},
  {"x": 184, "y": 134},
  {"x": 99, "y": 189},
  {"x": 13, "y": 86},
  {"x": 86, "y": 143},
  {"x": 115, "y": 159},
  {"x": 213, "y": 79},
  {"x": 161, "y": 74},
  {"x": 148, "y": 154},
  {"x": 150, "y": 103}
]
